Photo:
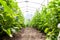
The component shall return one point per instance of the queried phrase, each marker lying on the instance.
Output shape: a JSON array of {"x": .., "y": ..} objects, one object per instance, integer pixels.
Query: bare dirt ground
[{"x": 27, "y": 34}]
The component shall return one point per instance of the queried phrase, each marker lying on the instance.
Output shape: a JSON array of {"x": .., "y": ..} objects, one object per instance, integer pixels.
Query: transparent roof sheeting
[{"x": 28, "y": 7}]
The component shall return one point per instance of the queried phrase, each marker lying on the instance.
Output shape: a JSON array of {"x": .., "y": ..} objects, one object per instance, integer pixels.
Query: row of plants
[
  {"x": 11, "y": 18},
  {"x": 47, "y": 19}
]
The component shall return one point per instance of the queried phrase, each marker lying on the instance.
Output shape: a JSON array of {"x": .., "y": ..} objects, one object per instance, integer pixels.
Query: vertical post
[{"x": 58, "y": 38}]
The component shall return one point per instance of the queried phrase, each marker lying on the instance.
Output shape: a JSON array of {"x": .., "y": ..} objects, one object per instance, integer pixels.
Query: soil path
[{"x": 28, "y": 34}]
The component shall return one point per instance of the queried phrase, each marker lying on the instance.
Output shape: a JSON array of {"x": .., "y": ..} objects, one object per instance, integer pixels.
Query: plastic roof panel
[{"x": 29, "y": 7}]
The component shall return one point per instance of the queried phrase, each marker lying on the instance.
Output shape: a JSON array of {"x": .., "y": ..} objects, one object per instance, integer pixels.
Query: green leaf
[{"x": 46, "y": 30}]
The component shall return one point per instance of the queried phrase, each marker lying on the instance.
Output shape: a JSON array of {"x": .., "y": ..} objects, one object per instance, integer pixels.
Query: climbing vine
[
  {"x": 11, "y": 18},
  {"x": 47, "y": 19}
]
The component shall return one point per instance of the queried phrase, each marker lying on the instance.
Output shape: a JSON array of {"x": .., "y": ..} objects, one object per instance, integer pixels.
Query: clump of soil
[{"x": 27, "y": 34}]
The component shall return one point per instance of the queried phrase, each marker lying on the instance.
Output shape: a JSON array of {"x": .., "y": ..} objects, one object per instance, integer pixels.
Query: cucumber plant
[
  {"x": 11, "y": 18},
  {"x": 47, "y": 19}
]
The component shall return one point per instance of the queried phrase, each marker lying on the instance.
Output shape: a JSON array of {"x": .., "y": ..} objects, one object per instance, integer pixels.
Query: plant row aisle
[
  {"x": 47, "y": 19},
  {"x": 11, "y": 18}
]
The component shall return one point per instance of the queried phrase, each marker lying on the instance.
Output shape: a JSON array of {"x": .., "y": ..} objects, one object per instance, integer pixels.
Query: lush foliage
[
  {"x": 11, "y": 18},
  {"x": 47, "y": 19}
]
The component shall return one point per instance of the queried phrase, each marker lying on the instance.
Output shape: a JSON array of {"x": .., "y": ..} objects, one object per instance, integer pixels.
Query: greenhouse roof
[{"x": 28, "y": 7}]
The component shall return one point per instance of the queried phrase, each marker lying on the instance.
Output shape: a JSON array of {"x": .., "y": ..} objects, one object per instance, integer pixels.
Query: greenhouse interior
[{"x": 29, "y": 19}]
